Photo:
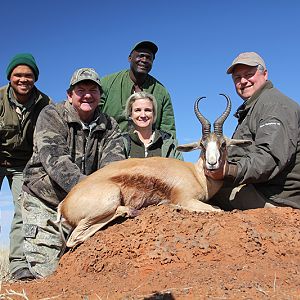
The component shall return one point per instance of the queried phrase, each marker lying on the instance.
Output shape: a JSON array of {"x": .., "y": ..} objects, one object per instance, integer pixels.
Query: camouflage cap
[
  {"x": 247, "y": 58},
  {"x": 85, "y": 74}
]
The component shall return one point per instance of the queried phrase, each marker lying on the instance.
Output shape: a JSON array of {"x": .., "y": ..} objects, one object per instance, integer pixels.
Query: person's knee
[
  {"x": 246, "y": 196},
  {"x": 223, "y": 203}
]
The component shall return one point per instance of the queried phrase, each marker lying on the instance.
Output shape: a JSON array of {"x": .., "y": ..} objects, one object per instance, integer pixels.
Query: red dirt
[{"x": 167, "y": 253}]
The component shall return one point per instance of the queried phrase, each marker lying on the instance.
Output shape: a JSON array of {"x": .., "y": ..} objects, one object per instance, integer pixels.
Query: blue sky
[{"x": 197, "y": 41}]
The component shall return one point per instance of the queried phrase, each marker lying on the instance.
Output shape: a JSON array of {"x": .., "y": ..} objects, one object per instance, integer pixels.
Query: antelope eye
[{"x": 223, "y": 145}]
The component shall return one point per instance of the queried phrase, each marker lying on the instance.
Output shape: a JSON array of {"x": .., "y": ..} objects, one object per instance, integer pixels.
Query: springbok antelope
[{"x": 122, "y": 188}]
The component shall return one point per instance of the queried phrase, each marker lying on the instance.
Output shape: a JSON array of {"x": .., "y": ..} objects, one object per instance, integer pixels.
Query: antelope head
[{"x": 213, "y": 145}]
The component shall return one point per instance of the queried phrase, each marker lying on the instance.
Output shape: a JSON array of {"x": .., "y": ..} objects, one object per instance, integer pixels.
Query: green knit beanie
[{"x": 23, "y": 59}]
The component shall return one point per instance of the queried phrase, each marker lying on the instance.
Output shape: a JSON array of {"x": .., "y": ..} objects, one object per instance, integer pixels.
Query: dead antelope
[{"x": 123, "y": 187}]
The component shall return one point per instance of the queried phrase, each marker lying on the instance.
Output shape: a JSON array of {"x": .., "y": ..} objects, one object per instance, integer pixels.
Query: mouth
[
  {"x": 211, "y": 167},
  {"x": 143, "y": 67},
  {"x": 23, "y": 86},
  {"x": 143, "y": 121},
  {"x": 246, "y": 88},
  {"x": 87, "y": 104}
]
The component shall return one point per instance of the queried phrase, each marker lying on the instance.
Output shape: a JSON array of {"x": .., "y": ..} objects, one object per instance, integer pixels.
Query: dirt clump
[{"x": 169, "y": 253}]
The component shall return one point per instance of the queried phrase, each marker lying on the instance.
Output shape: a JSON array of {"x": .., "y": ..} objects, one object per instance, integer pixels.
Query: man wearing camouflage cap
[
  {"x": 20, "y": 105},
  {"x": 72, "y": 140},
  {"x": 266, "y": 173}
]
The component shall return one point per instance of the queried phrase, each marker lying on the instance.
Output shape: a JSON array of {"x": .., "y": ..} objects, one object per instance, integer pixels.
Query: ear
[
  {"x": 129, "y": 58},
  {"x": 266, "y": 74},
  {"x": 241, "y": 143},
  {"x": 69, "y": 95},
  {"x": 188, "y": 147}
]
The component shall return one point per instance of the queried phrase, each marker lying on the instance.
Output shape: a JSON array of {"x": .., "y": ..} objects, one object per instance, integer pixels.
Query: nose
[
  {"x": 243, "y": 80},
  {"x": 212, "y": 159},
  {"x": 87, "y": 95},
  {"x": 23, "y": 79}
]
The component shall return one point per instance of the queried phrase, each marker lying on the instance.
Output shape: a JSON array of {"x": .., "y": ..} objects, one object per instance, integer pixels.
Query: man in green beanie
[{"x": 20, "y": 104}]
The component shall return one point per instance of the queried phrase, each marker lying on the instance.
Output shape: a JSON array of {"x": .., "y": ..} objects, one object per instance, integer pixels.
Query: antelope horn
[
  {"x": 205, "y": 123},
  {"x": 218, "y": 124}
]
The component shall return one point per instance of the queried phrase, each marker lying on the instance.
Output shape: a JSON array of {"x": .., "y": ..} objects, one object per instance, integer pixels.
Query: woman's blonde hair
[{"x": 137, "y": 96}]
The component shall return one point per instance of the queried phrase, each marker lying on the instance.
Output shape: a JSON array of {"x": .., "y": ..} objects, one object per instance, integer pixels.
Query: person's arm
[
  {"x": 51, "y": 136},
  {"x": 275, "y": 144},
  {"x": 113, "y": 147},
  {"x": 104, "y": 84},
  {"x": 167, "y": 116}
]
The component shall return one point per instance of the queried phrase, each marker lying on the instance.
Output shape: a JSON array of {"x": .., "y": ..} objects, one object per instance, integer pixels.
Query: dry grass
[
  {"x": 9, "y": 293},
  {"x": 3, "y": 264},
  {"x": 4, "y": 275}
]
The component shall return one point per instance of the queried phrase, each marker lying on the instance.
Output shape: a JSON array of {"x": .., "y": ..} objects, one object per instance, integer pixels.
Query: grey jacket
[
  {"x": 272, "y": 162},
  {"x": 65, "y": 151}
]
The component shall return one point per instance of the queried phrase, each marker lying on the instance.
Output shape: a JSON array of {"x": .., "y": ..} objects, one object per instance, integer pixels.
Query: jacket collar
[
  {"x": 72, "y": 117},
  {"x": 134, "y": 136},
  {"x": 148, "y": 84},
  {"x": 33, "y": 97},
  {"x": 244, "y": 108}
]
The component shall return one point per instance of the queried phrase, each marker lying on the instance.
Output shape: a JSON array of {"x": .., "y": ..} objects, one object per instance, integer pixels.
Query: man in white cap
[{"x": 266, "y": 173}]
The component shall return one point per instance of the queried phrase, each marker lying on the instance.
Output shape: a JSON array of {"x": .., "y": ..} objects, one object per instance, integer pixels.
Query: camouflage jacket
[
  {"x": 16, "y": 135},
  {"x": 65, "y": 151}
]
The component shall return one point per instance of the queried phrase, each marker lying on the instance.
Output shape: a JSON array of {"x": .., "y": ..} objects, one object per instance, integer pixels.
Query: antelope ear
[
  {"x": 188, "y": 147},
  {"x": 241, "y": 143}
]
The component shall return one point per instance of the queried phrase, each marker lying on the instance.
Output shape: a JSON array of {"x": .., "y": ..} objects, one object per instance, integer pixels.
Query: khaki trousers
[{"x": 16, "y": 255}]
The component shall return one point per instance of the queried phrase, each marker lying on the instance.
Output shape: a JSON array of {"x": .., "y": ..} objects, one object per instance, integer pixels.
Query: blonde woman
[{"x": 142, "y": 140}]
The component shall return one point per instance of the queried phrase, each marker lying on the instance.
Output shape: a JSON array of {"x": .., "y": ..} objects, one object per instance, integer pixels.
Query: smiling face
[
  {"x": 248, "y": 80},
  {"x": 141, "y": 61},
  {"x": 142, "y": 113},
  {"x": 22, "y": 81},
  {"x": 85, "y": 98}
]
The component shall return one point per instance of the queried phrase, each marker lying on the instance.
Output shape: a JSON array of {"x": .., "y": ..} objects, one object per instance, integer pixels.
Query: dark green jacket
[
  {"x": 16, "y": 137},
  {"x": 65, "y": 151},
  {"x": 117, "y": 88},
  {"x": 272, "y": 162},
  {"x": 164, "y": 145}
]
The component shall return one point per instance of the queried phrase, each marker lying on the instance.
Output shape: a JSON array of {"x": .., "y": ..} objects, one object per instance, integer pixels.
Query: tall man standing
[
  {"x": 20, "y": 105},
  {"x": 119, "y": 86}
]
